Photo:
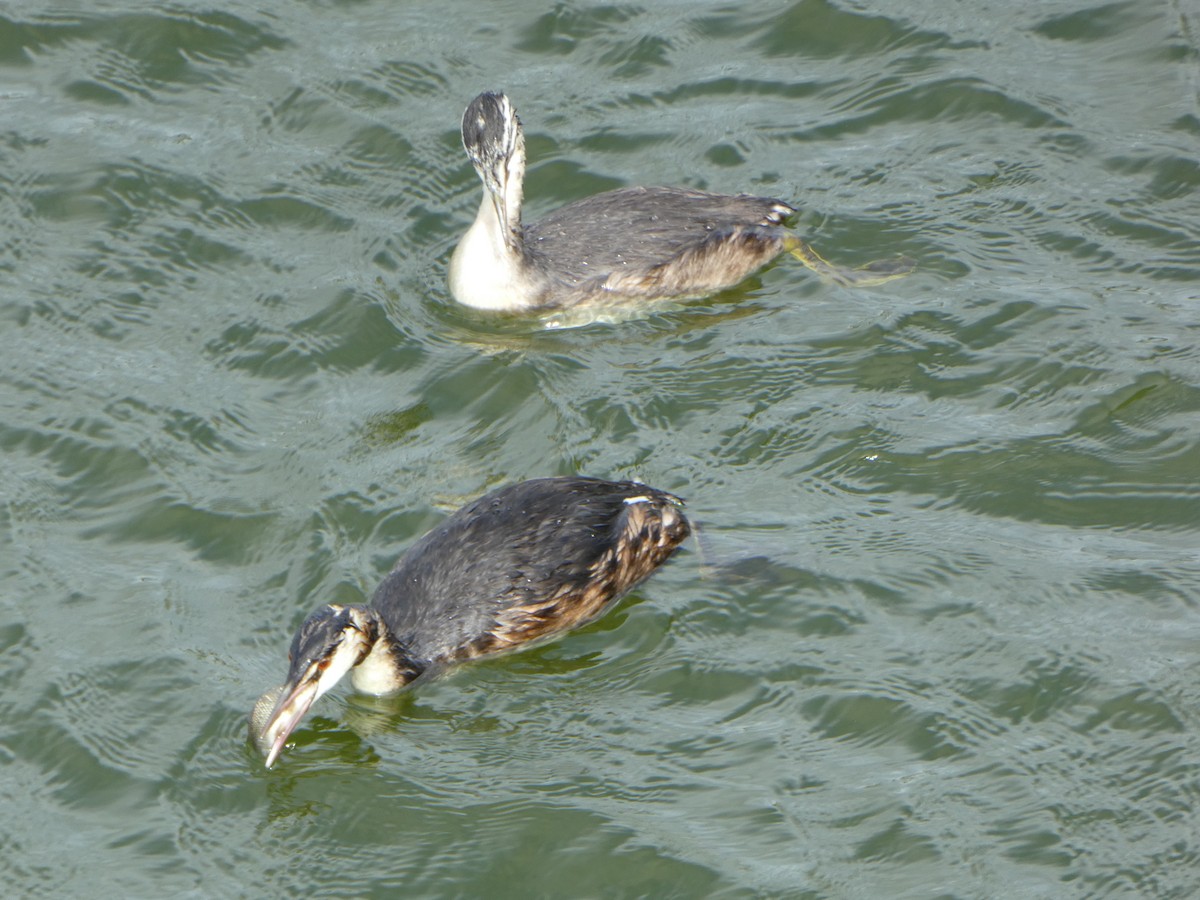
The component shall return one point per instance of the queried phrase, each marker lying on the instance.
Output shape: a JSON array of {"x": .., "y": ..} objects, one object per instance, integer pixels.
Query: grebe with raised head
[
  {"x": 524, "y": 562},
  {"x": 641, "y": 243}
]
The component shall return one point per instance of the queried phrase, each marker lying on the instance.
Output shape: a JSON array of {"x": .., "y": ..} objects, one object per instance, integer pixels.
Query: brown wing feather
[
  {"x": 668, "y": 241},
  {"x": 527, "y": 560},
  {"x": 648, "y": 531}
]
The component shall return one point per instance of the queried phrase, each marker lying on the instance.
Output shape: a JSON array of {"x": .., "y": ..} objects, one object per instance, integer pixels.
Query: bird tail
[{"x": 654, "y": 520}]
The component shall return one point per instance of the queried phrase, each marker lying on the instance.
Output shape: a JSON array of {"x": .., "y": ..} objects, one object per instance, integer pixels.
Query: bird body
[
  {"x": 641, "y": 243},
  {"x": 524, "y": 562},
  {"x": 676, "y": 242}
]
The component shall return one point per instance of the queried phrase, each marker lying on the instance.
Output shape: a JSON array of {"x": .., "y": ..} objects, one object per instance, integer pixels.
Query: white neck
[
  {"x": 379, "y": 673},
  {"x": 487, "y": 270}
]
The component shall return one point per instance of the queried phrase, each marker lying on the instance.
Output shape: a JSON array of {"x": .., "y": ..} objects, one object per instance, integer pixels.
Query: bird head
[
  {"x": 331, "y": 642},
  {"x": 495, "y": 144}
]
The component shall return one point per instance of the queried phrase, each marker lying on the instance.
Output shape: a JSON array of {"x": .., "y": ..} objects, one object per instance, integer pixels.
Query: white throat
[
  {"x": 377, "y": 674},
  {"x": 485, "y": 271}
]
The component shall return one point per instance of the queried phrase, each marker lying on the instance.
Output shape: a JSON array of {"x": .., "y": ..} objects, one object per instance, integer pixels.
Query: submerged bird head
[
  {"x": 330, "y": 643},
  {"x": 495, "y": 144}
]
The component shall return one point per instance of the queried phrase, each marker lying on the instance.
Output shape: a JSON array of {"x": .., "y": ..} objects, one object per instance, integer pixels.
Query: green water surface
[{"x": 939, "y": 635}]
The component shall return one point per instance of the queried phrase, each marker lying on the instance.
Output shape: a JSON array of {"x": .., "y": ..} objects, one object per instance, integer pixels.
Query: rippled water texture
[{"x": 939, "y": 634}]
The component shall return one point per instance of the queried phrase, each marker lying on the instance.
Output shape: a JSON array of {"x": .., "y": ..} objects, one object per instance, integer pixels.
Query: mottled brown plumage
[
  {"x": 669, "y": 242},
  {"x": 648, "y": 533}
]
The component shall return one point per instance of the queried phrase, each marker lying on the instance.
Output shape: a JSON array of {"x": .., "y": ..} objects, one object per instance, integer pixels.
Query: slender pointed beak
[
  {"x": 287, "y": 712},
  {"x": 499, "y": 193},
  {"x": 330, "y": 643}
]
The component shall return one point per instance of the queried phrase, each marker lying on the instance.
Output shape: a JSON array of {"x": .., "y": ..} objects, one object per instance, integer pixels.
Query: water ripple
[{"x": 936, "y": 630}]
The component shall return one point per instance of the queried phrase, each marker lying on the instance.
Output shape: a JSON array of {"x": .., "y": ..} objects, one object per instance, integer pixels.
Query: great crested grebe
[
  {"x": 524, "y": 562},
  {"x": 641, "y": 243}
]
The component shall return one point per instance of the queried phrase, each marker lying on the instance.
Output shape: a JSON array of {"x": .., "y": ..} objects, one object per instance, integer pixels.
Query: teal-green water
[{"x": 940, "y": 633}]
